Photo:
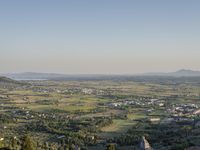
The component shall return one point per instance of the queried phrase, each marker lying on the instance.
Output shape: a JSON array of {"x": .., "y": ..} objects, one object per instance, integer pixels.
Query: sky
[{"x": 99, "y": 36}]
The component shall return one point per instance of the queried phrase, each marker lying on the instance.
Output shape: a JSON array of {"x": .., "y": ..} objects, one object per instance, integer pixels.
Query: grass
[
  {"x": 118, "y": 125},
  {"x": 116, "y": 128},
  {"x": 69, "y": 108},
  {"x": 81, "y": 108},
  {"x": 132, "y": 116}
]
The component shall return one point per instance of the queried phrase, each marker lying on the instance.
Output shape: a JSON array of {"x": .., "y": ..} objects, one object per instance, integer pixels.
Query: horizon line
[{"x": 61, "y": 73}]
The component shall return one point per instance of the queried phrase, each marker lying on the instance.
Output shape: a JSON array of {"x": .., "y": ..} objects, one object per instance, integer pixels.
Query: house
[
  {"x": 61, "y": 137},
  {"x": 154, "y": 119},
  {"x": 161, "y": 104},
  {"x": 196, "y": 112},
  {"x": 87, "y": 91}
]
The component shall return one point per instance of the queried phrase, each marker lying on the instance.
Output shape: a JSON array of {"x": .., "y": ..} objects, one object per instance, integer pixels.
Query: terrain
[
  {"x": 100, "y": 112},
  {"x": 56, "y": 76},
  {"x": 179, "y": 73}
]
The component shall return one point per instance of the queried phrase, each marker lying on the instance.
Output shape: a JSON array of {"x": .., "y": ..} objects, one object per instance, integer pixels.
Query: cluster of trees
[
  {"x": 60, "y": 126},
  {"x": 47, "y": 102},
  {"x": 111, "y": 146},
  {"x": 169, "y": 136},
  {"x": 23, "y": 143},
  {"x": 27, "y": 143},
  {"x": 126, "y": 139},
  {"x": 70, "y": 128},
  {"x": 6, "y": 118}
]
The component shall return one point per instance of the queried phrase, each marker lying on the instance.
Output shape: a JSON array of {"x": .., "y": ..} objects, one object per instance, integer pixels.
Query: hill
[
  {"x": 33, "y": 76},
  {"x": 6, "y": 81},
  {"x": 54, "y": 76},
  {"x": 179, "y": 73}
]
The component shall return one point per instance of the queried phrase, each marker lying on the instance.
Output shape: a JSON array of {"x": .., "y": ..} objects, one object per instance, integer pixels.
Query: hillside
[
  {"x": 6, "y": 81},
  {"x": 54, "y": 76},
  {"x": 184, "y": 72},
  {"x": 179, "y": 73},
  {"x": 33, "y": 76}
]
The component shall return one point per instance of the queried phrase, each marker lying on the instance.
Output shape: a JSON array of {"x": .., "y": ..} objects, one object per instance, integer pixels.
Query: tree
[
  {"x": 187, "y": 130},
  {"x": 1, "y": 144},
  {"x": 28, "y": 143},
  {"x": 110, "y": 147},
  {"x": 13, "y": 143}
]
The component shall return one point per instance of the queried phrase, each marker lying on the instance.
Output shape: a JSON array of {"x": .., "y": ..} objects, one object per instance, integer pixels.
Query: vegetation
[{"x": 99, "y": 114}]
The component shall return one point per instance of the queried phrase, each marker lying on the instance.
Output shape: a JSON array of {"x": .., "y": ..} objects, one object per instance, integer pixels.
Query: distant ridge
[
  {"x": 51, "y": 76},
  {"x": 179, "y": 73},
  {"x": 55, "y": 76},
  {"x": 33, "y": 76},
  {"x": 5, "y": 80}
]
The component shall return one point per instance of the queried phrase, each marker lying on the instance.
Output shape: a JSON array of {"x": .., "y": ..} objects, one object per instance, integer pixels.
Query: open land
[{"x": 91, "y": 114}]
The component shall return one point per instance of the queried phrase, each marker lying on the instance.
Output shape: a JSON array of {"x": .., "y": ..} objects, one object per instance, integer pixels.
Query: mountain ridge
[
  {"x": 178, "y": 73},
  {"x": 46, "y": 76},
  {"x": 6, "y": 80}
]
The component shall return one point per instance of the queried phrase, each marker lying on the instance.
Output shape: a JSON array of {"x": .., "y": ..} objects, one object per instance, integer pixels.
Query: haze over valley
[{"x": 100, "y": 75}]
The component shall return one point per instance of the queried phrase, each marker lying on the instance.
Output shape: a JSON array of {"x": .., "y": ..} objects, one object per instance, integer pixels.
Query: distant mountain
[
  {"x": 33, "y": 76},
  {"x": 184, "y": 72},
  {"x": 54, "y": 76},
  {"x": 179, "y": 73}
]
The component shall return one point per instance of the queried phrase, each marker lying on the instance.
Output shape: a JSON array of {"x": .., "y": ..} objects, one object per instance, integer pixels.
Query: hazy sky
[{"x": 99, "y": 36}]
